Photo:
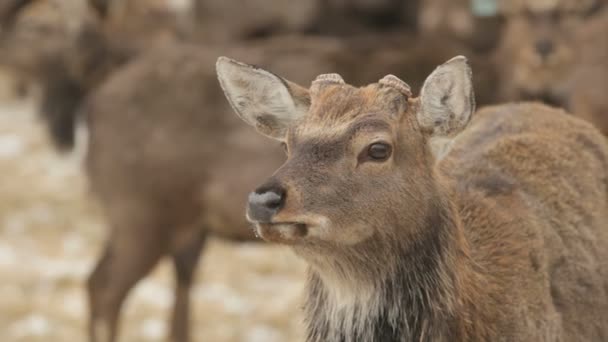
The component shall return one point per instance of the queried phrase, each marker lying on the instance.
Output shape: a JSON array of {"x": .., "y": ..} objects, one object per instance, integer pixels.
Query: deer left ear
[{"x": 447, "y": 100}]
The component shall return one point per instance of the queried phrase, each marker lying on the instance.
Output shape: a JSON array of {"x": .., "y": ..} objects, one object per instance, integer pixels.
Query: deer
[
  {"x": 422, "y": 221},
  {"x": 556, "y": 52},
  {"x": 154, "y": 122},
  {"x": 69, "y": 48}
]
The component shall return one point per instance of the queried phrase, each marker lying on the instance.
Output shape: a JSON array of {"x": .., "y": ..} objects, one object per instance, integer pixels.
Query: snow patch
[
  {"x": 155, "y": 293},
  {"x": 153, "y": 329},
  {"x": 11, "y": 146},
  {"x": 32, "y": 325},
  {"x": 8, "y": 256},
  {"x": 262, "y": 333},
  {"x": 232, "y": 301}
]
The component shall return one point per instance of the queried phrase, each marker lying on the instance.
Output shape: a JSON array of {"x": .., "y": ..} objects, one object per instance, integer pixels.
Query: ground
[{"x": 51, "y": 232}]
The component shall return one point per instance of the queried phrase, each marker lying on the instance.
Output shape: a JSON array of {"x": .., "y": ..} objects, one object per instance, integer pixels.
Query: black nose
[
  {"x": 544, "y": 47},
  {"x": 265, "y": 202}
]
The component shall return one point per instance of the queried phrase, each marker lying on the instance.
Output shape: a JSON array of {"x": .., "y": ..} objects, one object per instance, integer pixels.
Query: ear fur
[
  {"x": 261, "y": 98},
  {"x": 447, "y": 100}
]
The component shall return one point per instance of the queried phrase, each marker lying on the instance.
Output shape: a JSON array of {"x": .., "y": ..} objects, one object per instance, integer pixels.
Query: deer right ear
[
  {"x": 262, "y": 99},
  {"x": 447, "y": 99}
]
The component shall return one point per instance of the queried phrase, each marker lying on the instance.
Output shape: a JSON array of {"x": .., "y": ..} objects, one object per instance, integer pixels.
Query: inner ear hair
[
  {"x": 262, "y": 99},
  {"x": 447, "y": 100}
]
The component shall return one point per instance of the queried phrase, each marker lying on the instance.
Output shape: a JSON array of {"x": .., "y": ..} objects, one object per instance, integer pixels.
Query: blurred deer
[
  {"x": 557, "y": 52},
  {"x": 70, "y": 47}
]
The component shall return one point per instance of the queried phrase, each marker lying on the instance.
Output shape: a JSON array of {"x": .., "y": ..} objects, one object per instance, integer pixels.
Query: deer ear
[
  {"x": 262, "y": 99},
  {"x": 447, "y": 100}
]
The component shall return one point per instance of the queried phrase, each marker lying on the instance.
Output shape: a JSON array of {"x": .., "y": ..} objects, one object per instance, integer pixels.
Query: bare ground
[{"x": 51, "y": 233}]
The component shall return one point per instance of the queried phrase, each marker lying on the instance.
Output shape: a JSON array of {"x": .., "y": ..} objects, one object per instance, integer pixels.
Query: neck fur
[{"x": 390, "y": 290}]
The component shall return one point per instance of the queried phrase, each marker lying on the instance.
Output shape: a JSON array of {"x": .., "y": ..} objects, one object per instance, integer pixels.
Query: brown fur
[
  {"x": 504, "y": 239},
  {"x": 519, "y": 169},
  {"x": 574, "y": 74}
]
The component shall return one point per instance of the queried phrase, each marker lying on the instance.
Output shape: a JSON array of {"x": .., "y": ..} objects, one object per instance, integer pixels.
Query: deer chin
[
  {"x": 282, "y": 232},
  {"x": 293, "y": 229}
]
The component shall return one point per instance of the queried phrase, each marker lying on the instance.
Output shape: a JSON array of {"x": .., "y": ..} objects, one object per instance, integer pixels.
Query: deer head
[{"x": 359, "y": 161}]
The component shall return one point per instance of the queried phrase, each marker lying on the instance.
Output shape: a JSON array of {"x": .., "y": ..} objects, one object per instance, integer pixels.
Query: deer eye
[{"x": 379, "y": 151}]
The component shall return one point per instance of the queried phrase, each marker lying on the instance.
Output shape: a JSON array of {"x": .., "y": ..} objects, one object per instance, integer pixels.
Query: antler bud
[
  {"x": 395, "y": 82},
  {"x": 330, "y": 78},
  {"x": 324, "y": 79}
]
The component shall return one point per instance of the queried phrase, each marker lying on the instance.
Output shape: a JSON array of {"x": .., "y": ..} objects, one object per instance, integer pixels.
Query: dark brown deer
[{"x": 416, "y": 228}]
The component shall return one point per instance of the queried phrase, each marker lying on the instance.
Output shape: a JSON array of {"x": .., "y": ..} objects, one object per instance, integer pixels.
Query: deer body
[
  {"x": 499, "y": 262},
  {"x": 416, "y": 229},
  {"x": 536, "y": 221}
]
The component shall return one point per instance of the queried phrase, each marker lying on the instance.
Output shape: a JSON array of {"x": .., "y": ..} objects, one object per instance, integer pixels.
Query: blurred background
[{"x": 118, "y": 149}]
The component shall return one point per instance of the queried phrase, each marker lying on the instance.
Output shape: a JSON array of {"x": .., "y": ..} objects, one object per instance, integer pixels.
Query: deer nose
[
  {"x": 544, "y": 47},
  {"x": 265, "y": 202}
]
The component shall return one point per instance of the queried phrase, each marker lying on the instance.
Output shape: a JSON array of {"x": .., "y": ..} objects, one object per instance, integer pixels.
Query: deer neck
[{"x": 397, "y": 292}]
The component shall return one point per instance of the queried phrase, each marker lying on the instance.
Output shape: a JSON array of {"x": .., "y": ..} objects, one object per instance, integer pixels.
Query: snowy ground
[{"x": 51, "y": 233}]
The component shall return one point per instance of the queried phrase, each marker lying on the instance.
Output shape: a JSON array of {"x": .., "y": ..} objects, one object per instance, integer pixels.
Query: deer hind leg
[
  {"x": 129, "y": 255},
  {"x": 185, "y": 254}
]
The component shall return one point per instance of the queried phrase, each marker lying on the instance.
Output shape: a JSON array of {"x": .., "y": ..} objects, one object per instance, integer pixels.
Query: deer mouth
[{"x": 281, "y": 232}]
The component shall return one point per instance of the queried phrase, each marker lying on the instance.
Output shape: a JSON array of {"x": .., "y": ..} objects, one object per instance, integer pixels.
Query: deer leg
[
  {"x": 185, "y": 259},
  {"x": 129, "y": 255}
]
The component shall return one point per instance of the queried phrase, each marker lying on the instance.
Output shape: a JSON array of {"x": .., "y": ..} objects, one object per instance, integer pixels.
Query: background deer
[
  {"x": 69, "y": 48},
  {"x": 69, "y": 59},
  {"x": 556, "y": 52},
  {"x": 502, "y": 238}
]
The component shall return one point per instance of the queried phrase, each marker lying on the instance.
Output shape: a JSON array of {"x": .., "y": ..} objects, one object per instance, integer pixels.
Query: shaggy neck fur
[{"x": 391, "y": 289}]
